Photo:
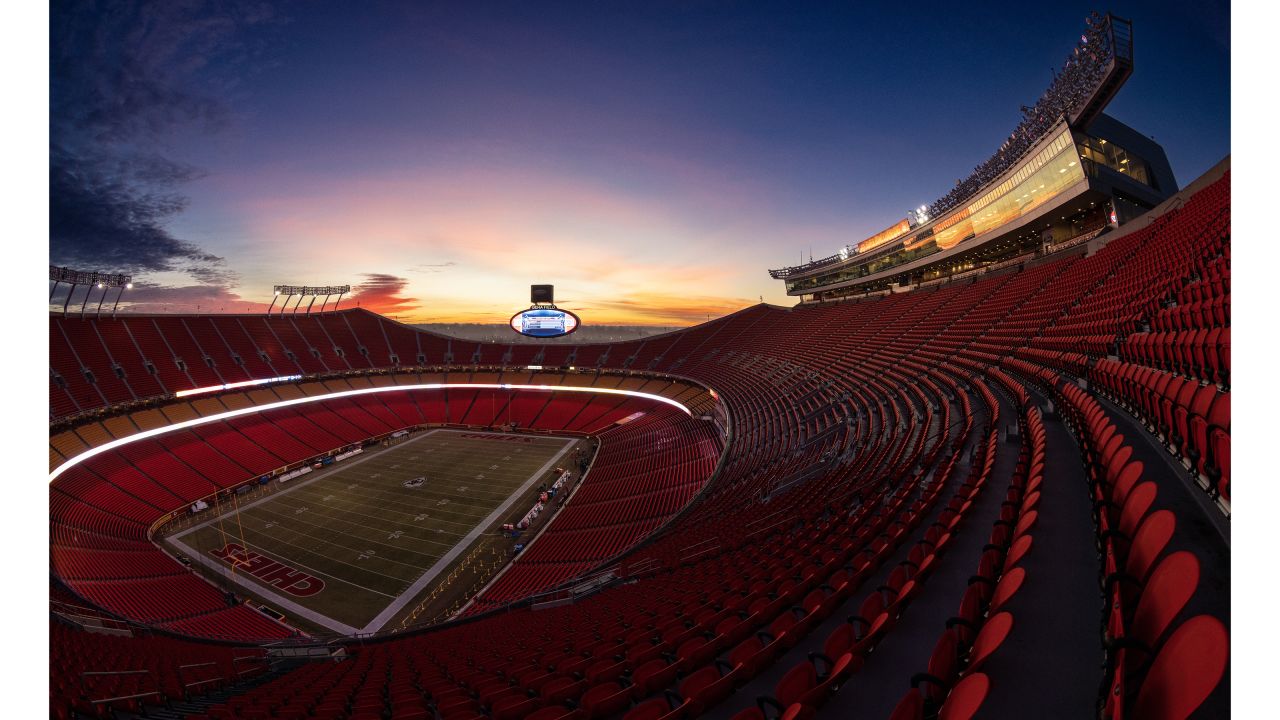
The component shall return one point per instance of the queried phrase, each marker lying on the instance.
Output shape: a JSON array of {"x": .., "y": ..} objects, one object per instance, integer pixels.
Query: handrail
[{"x": 125, "y": 697}]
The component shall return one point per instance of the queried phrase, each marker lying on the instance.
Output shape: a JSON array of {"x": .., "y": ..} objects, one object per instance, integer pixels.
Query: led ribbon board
[
  {"x": 194, "y": 422},
  {"x": 544, "y": 322}
]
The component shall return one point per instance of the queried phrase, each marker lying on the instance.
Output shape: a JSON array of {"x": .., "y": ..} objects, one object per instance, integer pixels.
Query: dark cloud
[
  {"x": 102, "y": 219},
  {"x": 381, "y": 293},
  {"x": 154, "y": 298},
  {"x": 125, "y": 76}
]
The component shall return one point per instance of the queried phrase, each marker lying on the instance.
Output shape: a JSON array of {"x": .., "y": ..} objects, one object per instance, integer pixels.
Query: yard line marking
[
  {"x": 469, "y": 519},
  {"x": 425, "y": 579},
  {"x": 263, "y": 592},
  {"x": 298, "y": 533},
  {"x": 276, "y": 538},
  {"x": 398, "y": 493},
  {"x": 411, "y": 496},
  {"x": 318, "y": 476},
  {"x": 340, "y": 533}
]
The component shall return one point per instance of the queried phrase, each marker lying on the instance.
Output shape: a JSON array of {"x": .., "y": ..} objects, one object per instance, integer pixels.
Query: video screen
[{"x": 544, "y": 322}]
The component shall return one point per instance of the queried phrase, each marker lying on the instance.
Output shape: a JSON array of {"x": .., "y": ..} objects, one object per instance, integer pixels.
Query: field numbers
[{"x": 359, "y": 500}]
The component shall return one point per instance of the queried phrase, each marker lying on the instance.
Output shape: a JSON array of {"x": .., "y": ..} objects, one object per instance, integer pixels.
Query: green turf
[{"x": 363, "y": 532}]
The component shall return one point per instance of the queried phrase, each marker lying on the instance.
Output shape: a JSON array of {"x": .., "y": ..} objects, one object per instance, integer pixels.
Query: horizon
[{"x": 653, "y": 162}]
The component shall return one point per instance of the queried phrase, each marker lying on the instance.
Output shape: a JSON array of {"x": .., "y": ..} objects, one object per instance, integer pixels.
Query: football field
[{"x": 350, "y": 546}]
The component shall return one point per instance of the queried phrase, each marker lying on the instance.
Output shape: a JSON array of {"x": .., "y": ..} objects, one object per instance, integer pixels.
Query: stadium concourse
[{"x": 1002, "y": 497}]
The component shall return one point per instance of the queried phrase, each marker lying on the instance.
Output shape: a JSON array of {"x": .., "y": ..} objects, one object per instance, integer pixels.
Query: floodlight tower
[
  {"x": 100, "y": 280},
  {"x": 304, "y": 291}
]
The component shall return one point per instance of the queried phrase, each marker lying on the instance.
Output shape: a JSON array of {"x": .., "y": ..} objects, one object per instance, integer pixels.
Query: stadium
[{"x": 980, "y": 468}]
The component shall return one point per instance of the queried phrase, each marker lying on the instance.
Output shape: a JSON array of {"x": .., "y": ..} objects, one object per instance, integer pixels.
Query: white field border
[
  {"x": 467, "y": 540},
  {"x": 397, "y": 603},
  {"x": 217, "y": 417}
]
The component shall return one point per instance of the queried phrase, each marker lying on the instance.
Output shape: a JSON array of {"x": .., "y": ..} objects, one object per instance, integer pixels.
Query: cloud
[
  {"x": 102, "y": 218},
  {"x": 661, "y": 309},
  {"x": 432, "y": 268},
  {"x": 124, "y": 77},
  {"x": 148, "y": 297},
  {"x": 381, "y": 293}
]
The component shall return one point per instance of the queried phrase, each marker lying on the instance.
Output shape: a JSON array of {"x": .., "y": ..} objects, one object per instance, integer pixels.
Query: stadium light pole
[
  {"x": 102, "y": 299},
  {"x": 305, "y": 291},
  {"x": 75, "y": 278},
  {"x": 67, "y": 302},
  {"x": 119, "y": 293},
  {"x": 89, "y": 291}
]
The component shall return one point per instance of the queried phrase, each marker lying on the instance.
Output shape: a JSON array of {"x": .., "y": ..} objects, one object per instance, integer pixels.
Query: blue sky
[{"x": 651, "y": 160}]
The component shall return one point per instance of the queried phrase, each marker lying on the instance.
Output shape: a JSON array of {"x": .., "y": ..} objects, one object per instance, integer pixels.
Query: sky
[{"x": 651, "y": 160}]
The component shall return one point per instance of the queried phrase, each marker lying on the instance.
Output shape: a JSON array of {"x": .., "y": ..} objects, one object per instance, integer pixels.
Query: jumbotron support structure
[
  {"x": 305, "y": 291},
  {"x": 100, "y": 280}
]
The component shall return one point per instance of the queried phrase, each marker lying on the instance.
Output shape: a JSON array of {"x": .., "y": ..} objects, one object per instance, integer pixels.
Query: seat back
[
  {"x": 1150, "y": 540},
  {"x": 966, "y": 698},
  {"x": 1007, "y": 588},
  {"x": 1171, "y": 585},
  {"x": 798, "y": 681},
  {"x": 1185, "y": 671},
  {"x": 990, "y": 637},
  {"x": 1136, "y": 507}
]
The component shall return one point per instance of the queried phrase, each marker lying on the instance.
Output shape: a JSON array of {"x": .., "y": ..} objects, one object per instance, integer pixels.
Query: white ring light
[{"x": 91, "y": 452}]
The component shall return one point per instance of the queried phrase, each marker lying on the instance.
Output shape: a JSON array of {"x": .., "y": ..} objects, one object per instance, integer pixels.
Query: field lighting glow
[{"x": 194, "y": 422}]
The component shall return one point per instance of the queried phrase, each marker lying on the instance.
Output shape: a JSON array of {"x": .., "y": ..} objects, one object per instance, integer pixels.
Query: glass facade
[
  {"x": 885, "y": 236},
  {"x": 1057, "y": 174},
  {"x": 1097, "y": 152},
  {"x": 1039, "y": 180}
]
